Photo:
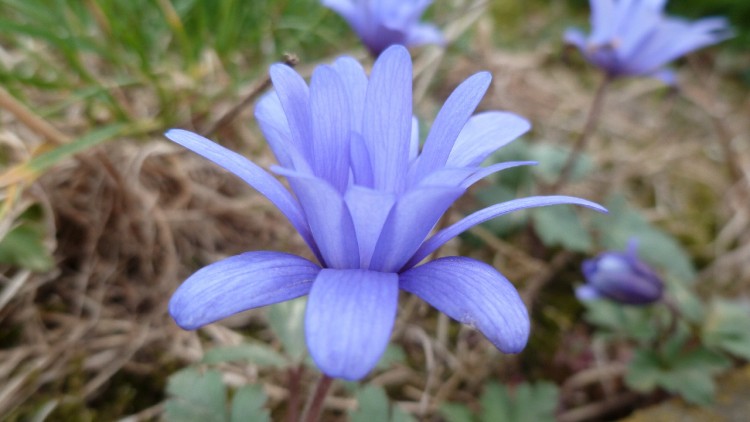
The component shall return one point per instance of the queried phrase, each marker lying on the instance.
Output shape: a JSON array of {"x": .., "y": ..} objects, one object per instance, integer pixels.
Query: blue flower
[
  {"x": 365, "y": 199},
  {"x": 635, "y": 38},
  {"x": 621, "y": 277},
  {"x": 383, "y": 23}
]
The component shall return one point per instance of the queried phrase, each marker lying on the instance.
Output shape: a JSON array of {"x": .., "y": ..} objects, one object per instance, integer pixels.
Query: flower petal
[
  {"x": 409, "y": 223},
  {"x": 369, "y": 209},
  {"x": 355, "y": 81},
  {"x": 331, "y": 127},
  {"x": 489, "y": 213},
  {"x": 329, "y": 219},
  {"x": 484, "y": 134},
  {"x": 239, "y": 283},
  {"x": 450, "y": 121},
  {"x": 349, "y": 319},
  {"x": 473, "y": 293},
  {"x": 422, "y": 34},
  {"x": 387, "y": 128},
  {"x": 294, "y": 96},
  {"x": 495, "y": 168},
  {"x": 251, "y": 173}
]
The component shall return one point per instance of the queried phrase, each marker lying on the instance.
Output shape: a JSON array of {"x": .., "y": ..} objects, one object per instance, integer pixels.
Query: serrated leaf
[
  {"x": 287, "y": 321},
  {"x": 727, "y": 327},
  {"x": 561, "y": 226},
  {"x": 259, "y": 354},
  {"x": 24, "y": 247},
  {"x": 196, "y": 397},
  {"x": 655, "y": 246},
  {"x": 247, "y": 405}
]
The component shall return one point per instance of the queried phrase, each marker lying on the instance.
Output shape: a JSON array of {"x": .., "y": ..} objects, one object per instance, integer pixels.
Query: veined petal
[
  {"x": 475, "y": 294},
  {"x": 349, "y": 319},
  {"x": 409, "y": 223},
  {"x": 369, "y": 209},
  {"x": 489, "y": 213},
  {"x": 360, "y": 162},
  {"x": 272, "y": 121},
  {"x": 484, "y": 134},
  {"x": 355, "y": 81},
  {"x": 466, "y": 176},
  {"x": 450, "y": 121},
  {"x": 251, "y": 173},
  {"x": 329, "y": 219},
  {"x": 495, "y": 168},
  {"x": 387, "y": 128},
  {"x": 239, "y": 283},
  {"x": 331, "y": 127},
  {"x": 294, "y": 96}
]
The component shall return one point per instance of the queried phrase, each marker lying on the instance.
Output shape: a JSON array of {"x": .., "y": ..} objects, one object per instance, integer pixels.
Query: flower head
[
  {"x": 366, "y": 198},
  {"x": 621, "y": 277},
  {"x": 635, "y": 38},
  {"x": 383, "y": 23}
]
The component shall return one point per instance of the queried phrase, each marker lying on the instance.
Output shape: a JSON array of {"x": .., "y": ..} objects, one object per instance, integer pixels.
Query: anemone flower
[
  {"x": 365, "y": 199},
  {"x": 383, "y": 23},
  {"x": 635, "y": 38},
  {"x": 621, "y": 277}
]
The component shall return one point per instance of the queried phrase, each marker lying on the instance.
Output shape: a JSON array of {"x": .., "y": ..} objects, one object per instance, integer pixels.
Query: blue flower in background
[
  {"x": 621, "y": 277},
  {"x": 365, "y": 199},
  {"x": 635, "y": 38},
  {"x": 383, "y": 23}
]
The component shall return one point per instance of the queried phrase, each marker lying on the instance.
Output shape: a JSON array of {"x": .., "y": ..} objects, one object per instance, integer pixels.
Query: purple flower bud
[
  {"x": 621, "y": 277},
  {"x": 635, "y": 38}
]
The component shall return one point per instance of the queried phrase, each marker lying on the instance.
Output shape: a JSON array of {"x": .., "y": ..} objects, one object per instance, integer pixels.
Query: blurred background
[{"x": 101, "y": 218}]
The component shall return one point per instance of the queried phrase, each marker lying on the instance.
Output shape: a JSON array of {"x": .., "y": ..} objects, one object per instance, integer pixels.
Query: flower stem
[
  {"x": 580, "y": 145},
  {"x": 314, "y": 406}
]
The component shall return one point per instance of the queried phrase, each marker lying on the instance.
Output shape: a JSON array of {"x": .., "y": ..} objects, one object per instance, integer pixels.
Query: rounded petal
[
  {"x": 331, "y": 127},
  {"x": 475, "y": 294},
  {"x": 489, "y": 213},
  {"x": 239, "y": 283},
  {"x": 349, "y": 319},
  {"x": 484, "y": 134},
  {"x": 425, "y": 34}
]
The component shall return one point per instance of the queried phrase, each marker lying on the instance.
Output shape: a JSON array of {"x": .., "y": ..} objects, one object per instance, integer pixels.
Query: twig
[
  {"x": 314, "y": 406},
  {"x": 30, "y": 119}
]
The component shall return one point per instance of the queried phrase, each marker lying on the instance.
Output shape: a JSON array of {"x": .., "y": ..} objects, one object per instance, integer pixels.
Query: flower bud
[{"x": 621, "y": 277}]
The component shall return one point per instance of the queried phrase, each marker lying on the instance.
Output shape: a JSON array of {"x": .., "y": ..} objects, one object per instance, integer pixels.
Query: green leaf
[
  {"x": 526, "y": 402},
  {"x": 654, "y": 245},
  {"x": 454, "y": 412},
  {"x": 394, "y": 354},
  {"x": 496, "y": 404},
  {"x": 727, "y": 327},
  {"x": 287, "y": 322},
  {"x": 24, "y": 247},
  {"x": 247, "y": 405},
  {"x": 256, "y": 353},
  {"x": 373, "y": 405},
  {"x": 561, "y": 226},
  {"x": 196, "y": 397}
]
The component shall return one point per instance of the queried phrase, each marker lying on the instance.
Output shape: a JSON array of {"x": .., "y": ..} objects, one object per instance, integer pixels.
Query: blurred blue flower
[
  {"x": 383, "y": 23},
  {"x": 621, "y": 277},
  {"x": 635, "y": 38},
  {"x": 365, "y": 199}
]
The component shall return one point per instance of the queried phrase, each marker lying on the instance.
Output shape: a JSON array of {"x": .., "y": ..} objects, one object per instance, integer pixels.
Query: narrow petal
[
  {"x": 330, "y": 127},
  {"x": 484, "y": 134},
  {"x": 574, "y": 36},
  {"x": 251, "y": 173},
  {"x": 466, "y": 176},
  {"x": 585, "y": 293},
  {"x": 450, "y": 121},
  {"x": 602, "y": 19},
  {"x": 423, "y": 34},
  {"x": 387, "y": 128},
  {"x": 272, "y": 121},
  {"x": 475, "y": 294},
  {"x": 369, "y": 209},
  {"x": 360, "y": 162},
  {"x": 495, "y": 168},
  {"x": 329, "y": 219},
  {"x": 355, "y": 81},
  {"x": 349, "y": 319},
  {"x": 239, "y": 283},
  {"x": 409, "y": 223},
  {"x": 295, "y": 99},
  {"x": 489, "y": 213}
]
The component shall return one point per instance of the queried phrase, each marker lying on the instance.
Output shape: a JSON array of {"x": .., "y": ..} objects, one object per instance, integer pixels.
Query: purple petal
[
  {"x": 586, "y": 293},
  {"x": 602, "y": 19},
  {"x": 473, "y": 293},
  {"x": 329, "y": 219},
  {"x": 355, "y": 81},
  {"x": 484, "y": 134},
  {"x": 349, "y": 319},
  {"x": 330, "y": 127},
  {"x": 369, "y": 209},
  {"x": 574, "y": 36},
  {"x": 495, "y": 168},
  {"x": 423, "y": 34},
  {"x": 239, "y": 283},
  {"x": 409, "y": 223},
  {"x": 489, "y": 213},
  {"x": 361, "y": 162},
  {"x": 387, "y": 128},
  {"x": 450, "y": 120},
  {"x": 295, "y": 99},
  {"x": 251, "y": 173}
]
